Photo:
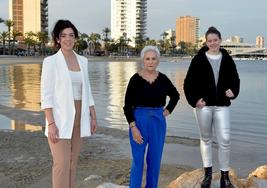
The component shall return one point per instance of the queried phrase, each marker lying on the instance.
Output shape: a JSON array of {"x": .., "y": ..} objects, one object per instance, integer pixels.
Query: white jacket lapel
[
  {"x": 83, "y": 68},
  {"x": 63, "y": 72}
]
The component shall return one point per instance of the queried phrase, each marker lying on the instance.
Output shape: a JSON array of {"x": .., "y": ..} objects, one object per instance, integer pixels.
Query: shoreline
[
  {"x": 37, "y": 118},
  {"x": 11, "y": 60},
  {"x": 25, "y": 159}
]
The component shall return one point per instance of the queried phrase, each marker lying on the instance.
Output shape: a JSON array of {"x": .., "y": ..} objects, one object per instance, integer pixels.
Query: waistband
[{"x": 149, "y": 108}]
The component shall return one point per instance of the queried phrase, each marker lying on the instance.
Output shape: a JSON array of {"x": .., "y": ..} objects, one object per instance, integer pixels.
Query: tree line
[{"x": 91, "y": 44}]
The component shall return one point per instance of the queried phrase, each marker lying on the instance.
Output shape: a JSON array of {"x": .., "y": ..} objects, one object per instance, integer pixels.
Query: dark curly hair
[{"x": 59, "y": 27}]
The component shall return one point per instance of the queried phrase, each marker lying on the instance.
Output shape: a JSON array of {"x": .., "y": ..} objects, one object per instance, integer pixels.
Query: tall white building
[
  {"x": 260, "y": 41},
  {"x": 128, "y": 19}
]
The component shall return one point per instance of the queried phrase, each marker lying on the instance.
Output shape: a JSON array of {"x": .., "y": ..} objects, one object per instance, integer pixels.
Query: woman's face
[
  {"x": 67, "y": 39},
  {"x": 150, "y": 61},
  {"x": 213, "y": 42}
]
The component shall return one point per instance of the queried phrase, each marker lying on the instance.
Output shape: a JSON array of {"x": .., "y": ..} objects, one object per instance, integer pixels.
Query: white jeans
[{"x": 219, "y": 117}]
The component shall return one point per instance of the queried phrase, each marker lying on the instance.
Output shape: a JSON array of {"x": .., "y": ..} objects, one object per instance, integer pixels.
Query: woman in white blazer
[{"x": 68, "y": 103}]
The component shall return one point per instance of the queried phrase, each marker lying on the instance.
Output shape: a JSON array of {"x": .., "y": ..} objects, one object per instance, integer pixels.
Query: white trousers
[{"x": 219, "y": 118}]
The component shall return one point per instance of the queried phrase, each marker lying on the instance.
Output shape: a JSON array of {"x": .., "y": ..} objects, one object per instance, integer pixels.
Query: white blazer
[{"x": 56, "y": 93}]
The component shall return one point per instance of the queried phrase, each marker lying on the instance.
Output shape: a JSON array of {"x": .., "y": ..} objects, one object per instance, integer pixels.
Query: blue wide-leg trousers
[{"x": 152, "y": 126}]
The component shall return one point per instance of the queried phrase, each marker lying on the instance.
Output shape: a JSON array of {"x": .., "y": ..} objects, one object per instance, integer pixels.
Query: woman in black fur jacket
[{"x": 211, "y": 83}]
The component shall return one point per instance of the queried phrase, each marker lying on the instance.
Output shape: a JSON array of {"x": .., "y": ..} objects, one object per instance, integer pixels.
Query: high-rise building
[
  {"x": 128, "y": 19},
  {"x": 260, "y": 41},
  {"x": 237, "y": 39},
  {"x": 187, "y": 29},
  {"x": 29, "y": 15}
]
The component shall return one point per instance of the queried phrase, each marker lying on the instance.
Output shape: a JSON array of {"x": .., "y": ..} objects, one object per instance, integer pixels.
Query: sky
[{"x": 244, "y": 18}]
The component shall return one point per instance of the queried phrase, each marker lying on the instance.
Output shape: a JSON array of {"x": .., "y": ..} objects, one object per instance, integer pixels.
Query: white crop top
[{"x": 76, "y": 79}]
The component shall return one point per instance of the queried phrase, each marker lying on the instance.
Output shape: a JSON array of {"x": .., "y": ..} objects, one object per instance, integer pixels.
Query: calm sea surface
[{"x": 20, "y": 85}]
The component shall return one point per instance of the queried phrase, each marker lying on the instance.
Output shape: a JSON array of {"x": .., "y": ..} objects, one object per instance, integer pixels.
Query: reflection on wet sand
[
  {"x": 22, "y": 126},
  {"x": 24, "y": 89},
  {"x": 18, "y": 125}
]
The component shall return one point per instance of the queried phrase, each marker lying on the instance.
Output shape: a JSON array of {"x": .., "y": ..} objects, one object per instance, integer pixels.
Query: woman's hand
[
  {"x": 93, "y": 126},
  {"x": 53, "y": 133},
  {"x": 229, "y": 93},
  {"x": 137, "y": 137},
  {"x": 200, "y": 103},
  {"x": 166, "y": 113}
]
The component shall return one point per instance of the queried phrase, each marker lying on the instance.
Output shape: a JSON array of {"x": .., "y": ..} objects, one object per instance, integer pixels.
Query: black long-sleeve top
[
  {"x": 141, "y": 93},
  {"x": 200, "y": 83}
]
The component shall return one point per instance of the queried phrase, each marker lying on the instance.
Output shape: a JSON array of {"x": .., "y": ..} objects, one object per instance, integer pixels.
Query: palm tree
[
  {"x": 30, "y": 40},
  {"x": 152, "y": 42},
  {"x": 83, "y": 36},
  {"x": 183, "y": 47},
  {"x": 160, "y": 44},
  {"x": 106, "y": 39},
  {"x": 166, "y": 42},
  {"x": 93, "y": 40},
  {"x": 139, "y": 43},
  {"x": 9, "y": 24},
  {"x": 164, "y": 35},
  {"x": 15, "y": 34},
  {"x": 122, "y": 43},
  {"x": 113, "y": 46},
  {"x": 3, "y": 37},
  {"x": 81, "y": 43},
  {"x": 42, "y": 37},
  {"x": 173, "y": 44},
  {"x": 187, "y": 48}
]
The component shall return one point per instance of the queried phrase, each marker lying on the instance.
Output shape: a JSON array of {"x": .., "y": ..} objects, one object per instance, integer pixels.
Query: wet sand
[{"x": 25, "y": 159}]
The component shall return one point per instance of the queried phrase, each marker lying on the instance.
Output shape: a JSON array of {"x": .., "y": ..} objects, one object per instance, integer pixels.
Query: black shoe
[
  {"x": 207, "y": 179},
  {"x": 225, "y": 181}
]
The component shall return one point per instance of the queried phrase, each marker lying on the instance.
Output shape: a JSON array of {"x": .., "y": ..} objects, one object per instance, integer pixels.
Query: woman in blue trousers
[{"x": 145, "y": 111}]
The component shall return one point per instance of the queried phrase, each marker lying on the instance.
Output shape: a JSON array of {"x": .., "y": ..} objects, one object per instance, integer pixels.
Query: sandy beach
[{"x": 25, "y": 159}]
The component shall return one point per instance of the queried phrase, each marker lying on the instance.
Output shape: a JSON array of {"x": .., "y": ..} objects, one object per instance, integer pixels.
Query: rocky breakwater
[{"x": 192, "y": 179}]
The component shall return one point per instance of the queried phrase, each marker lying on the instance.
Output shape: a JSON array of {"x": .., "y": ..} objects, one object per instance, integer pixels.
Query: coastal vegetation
[{"x": 13, "y": 42}]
